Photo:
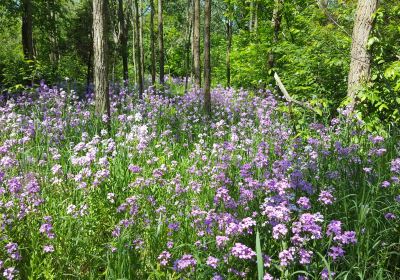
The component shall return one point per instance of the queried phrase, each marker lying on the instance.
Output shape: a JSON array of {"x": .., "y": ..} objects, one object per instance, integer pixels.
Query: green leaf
[{"x": 260, "y": 261}]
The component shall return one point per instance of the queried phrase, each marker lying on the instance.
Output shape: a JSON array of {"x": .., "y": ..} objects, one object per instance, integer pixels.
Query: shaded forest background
[{"x": 310, "y": 49}]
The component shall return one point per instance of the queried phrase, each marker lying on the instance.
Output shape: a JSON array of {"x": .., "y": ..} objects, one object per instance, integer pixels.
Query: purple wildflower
[
  {"x": 186, "y": 261},
  {"x": 325, "y": 197},
  {"x": 279, "y": 231},
  {"x": 212, "y": 262},
  {"x": 242, "y": 251},
  {"x": 164, "y": 258}
]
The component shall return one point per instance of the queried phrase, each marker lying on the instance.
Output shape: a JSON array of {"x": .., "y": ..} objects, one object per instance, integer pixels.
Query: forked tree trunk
[
  {"x": 360, "y": 59},
  {"x": 100, "y": 57},
  {"x": 27, "y": 29},
  {"x": 138, "y": 50},
  {"x": 276, "y": 25},
  {"x": 152, "y": 44},
  {"x": 207, "y": 59},
  {"x": 161, "y": 40},
  {"x": 196, "y": 44}
]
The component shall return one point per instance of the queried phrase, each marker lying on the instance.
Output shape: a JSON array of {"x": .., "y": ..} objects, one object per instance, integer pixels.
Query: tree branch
[{"x": 291, "y": 99}]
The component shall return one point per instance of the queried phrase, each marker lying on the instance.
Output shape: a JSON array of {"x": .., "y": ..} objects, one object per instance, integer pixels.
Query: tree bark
[
  {"x": 228, "y": 52},
  {"x": 100, "y": 58},
  {"x": 123, "y": 39},
  {"x": 27, "y": 29},
  {"x": 141, "y": 40},
  {"x": 255, "y": 23},
  {"x": 189, "y": 34},
  {"x": 276, "y": 25},
  {"x": 161, "y": 41},
  {"x": 152, "y": 44},
  {"x": 196, "y": 44},
  {"x": 138, "y": 51},
  {"x": 207, "y": 59},
  {"x": 251, "y": 16},
  {"x": 360, "y": 59},
  {"x": 53, "y": 37}
]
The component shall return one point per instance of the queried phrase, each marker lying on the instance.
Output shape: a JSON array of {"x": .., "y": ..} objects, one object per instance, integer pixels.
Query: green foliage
[{"x": 380, "y": 101}]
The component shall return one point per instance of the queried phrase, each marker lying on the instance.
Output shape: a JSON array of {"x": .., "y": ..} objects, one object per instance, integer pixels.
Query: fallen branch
[{"x": 290, "y": 99}]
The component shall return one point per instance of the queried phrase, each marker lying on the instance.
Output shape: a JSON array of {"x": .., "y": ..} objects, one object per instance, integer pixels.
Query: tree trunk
[
  {"x": 360, "y": 58},
  {"x": 196, "y": 44},
  {"x": 27, "y": 29},
  {"x": 228, "y": 52},
  {"x": 251, "y": 16},
  {"x": 141, "y": 41},
  {"x": 161, "y": 41},
  {"x": 207, "y": 59},
  {"x": 276, "y": 25},
  {"x": 53, "y": 37},
  {"x": 152, "y": 44},
  {"x": 255, "y": 24},
  {"x": 189, "y": 33},
  {"x": 100, "y": 58},
  {"x": 123, "y": 39},
  {"x": 138, "y": 50}
]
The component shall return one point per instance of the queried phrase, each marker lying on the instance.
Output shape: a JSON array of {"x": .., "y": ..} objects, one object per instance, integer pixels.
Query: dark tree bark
[
  {"x": 360, "y": 58},
  {"x": 161, "y": 40},
  {"x": 152, "y": 44},
  {"x": 207, "y": 59},
  {"x": 27, "y": 29},
  {"x": 138, "y": 51},
  {"x": 196, "y": 44},
  {"x": 123, "y": 39},
  {"x": 100, "y": 58},
  {"x": 228, "y": 52},
  {"x": 276, "y": 25}
]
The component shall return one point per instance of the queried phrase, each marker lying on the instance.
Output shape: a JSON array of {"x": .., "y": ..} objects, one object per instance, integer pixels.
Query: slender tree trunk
[
  {"x": 360, "y": 58},
  {"x": 207, "y": 59},
  {"x": 161, "y": 40},
  {"x": 189, "y": 32},
  {"x": 27, "y": 29},
  {"x": 137, "y": 49},
  {"x": 134, "y": 38},
  {"x": 251, "y": 16},
  {"x": 228, "y": 52},
  {"x": 100, "y": 58},
  {"x": 141, "y": 41},
  {"x": 152, "y": 44},
  {"x": 53, "y": 35},
  {"x": 196, "y": 44},
  {"x": 255, "y": 24},
  {"x": 276, "y": 25},
  {"x": 123, "y": 39}
]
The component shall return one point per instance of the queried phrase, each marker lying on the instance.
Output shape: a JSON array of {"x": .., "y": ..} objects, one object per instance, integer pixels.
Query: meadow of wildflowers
[{"x": 169, "y": 193}]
